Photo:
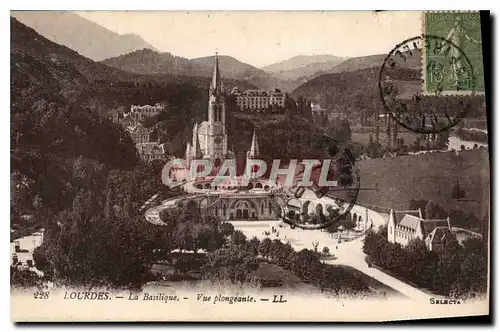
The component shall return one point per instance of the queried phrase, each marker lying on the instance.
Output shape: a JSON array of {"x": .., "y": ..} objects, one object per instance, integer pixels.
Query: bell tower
[{"x": 217, "y": 138}]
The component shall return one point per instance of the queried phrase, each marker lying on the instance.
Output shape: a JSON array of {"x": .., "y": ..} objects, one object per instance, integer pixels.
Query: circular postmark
[
  {"x": 423, "y": 104},
  {"x": 318, "y": 206}
]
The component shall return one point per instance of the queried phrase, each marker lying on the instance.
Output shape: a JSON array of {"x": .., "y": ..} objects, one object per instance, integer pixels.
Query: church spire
[
  {"x": 196, "y": 143},
  {"x": 216, "y": 86},
  {"x": 254, "y": 148}
]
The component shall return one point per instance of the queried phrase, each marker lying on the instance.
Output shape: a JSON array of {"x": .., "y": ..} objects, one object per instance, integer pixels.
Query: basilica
[
  {"x": 210, "y": 137},
  {"x": 237, "y": 198}
]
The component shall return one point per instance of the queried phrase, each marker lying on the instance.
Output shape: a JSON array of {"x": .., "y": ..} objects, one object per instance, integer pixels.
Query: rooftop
[
  {"x": 439, "y": 234},
  {"x": 150, "y": 148},
  {"x": 410, "y": 221},
  {"x": 429, "y": 225}
]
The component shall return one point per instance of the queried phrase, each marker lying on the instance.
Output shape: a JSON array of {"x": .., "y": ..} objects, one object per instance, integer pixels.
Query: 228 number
[{"x": 41, "y": 295}]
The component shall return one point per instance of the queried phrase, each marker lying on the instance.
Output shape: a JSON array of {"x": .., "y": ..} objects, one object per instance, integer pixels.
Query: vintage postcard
[{"x": 175, "y": 166}]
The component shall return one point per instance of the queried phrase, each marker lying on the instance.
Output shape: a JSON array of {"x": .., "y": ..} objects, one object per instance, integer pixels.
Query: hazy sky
[{"x": 262, "y": 38}]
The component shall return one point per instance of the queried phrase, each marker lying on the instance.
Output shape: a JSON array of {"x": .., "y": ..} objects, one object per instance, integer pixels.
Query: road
[{"x": 351, "y": 254}]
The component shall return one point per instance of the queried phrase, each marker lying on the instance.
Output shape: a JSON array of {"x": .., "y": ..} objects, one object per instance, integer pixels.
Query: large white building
[
  {"x": 405, "y": 226},
  {"x": 258, "y": 100},
  {"x": 136, "y": 114},
  {"x": 140, "y": 112}
]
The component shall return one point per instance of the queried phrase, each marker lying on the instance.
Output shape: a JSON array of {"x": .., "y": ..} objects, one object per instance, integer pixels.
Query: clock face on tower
[{"x": 217, "y": 140}]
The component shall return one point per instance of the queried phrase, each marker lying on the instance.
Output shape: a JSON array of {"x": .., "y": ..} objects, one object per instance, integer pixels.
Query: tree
[
  {"x": 113, "y": 251},
  {"x": 238, "y": 238},
  {"x": 341, "y": 130},
  {"x": 324, "y": 121},
  {"x": 474, "y": 268},
  {"x": 265, "y": 247},
  {"x": 346, "y": 130},
  {"x": 345, "y": 168},
  {"x": 448, "y": 268},
  {"x": 395, "y": 130},
  {"x": 434, "y": 211},
  {"x": 253, "y": 246},
  {"x": 307, "y": 266},
  {"x": 231, "y": 264},
  {"x": 281, "y": 254},
  {"x": 457, "y": 192},
  {"x": 24, "y": 278},
  {"x": 443, "y": 139},
  {"x": 183, "y": 237},
  {"x": 417, "y": 253},
  {"x": 226, "y": 228},
  {"x": 206, "y": 237},
  {"x": 373, "y": 149},
  {"x": 374, "y": 245},
  {"x": 388, "y": 131},
  {"x": 416, "y": 145},
  {"x": 183, "y": 263},
  {"x": 348, "y": 223}
]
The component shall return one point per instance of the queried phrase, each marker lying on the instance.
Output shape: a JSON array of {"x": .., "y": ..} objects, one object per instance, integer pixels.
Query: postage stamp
[
  {"x": 414, "y": 108},
  {"x": 445, "y": 65}
]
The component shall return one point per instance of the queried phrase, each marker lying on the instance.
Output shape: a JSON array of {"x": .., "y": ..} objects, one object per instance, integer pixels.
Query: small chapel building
[{"x": 405, "y": 226}]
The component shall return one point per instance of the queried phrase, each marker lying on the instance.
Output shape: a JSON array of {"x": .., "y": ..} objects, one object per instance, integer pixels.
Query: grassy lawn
[
  {"x": 346, "y": 273},
  {"x": 271, "y": 275},
  {"x": 346, "y": 279},
  {"x": 429, "y": 177}
]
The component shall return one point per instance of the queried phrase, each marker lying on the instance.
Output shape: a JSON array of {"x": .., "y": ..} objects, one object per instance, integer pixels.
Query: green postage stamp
[{"x": 452, "y": 57}]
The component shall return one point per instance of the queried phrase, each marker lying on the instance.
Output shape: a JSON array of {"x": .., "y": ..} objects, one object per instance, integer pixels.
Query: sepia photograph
[{"x": 256, "y": 166}]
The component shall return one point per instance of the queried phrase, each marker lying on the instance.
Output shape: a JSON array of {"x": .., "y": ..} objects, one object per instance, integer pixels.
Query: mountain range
[
  {"x": 302, "y": 66},
  {"x": 81, "y": 35},
  {"x": 44, "y": 70},
  {"x": 150, "y": 62},
  {"x": 132, "y": 55},
  {"x": 69, "y": 69}
]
